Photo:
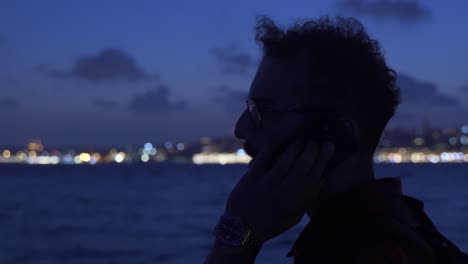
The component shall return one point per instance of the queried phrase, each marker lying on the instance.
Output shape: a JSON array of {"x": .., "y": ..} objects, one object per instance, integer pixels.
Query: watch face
[{"x": 232, "y": 231}]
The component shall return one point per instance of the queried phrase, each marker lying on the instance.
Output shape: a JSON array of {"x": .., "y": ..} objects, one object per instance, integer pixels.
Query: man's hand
[{"x": 272, "y": 200}]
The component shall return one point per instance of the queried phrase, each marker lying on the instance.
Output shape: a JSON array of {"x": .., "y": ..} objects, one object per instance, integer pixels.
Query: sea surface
[{"x": 164, "y": 213}]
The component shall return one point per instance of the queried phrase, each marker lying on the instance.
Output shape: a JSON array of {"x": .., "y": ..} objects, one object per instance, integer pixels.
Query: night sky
[{"x": 119, "y": 72}]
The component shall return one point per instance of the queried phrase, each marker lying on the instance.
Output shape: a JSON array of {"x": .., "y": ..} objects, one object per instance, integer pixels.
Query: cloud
[
  {"x": 424, "y": 101},
  {"x": 422, "y": 93},
  {"x": 234, "y": 62},
  {"x": 156, "y": 100},
  {"x": 105, "y": 103},
  {"x": 233, "y": 100},
  {"x": 9, "y": 103},
  {"x": 108, "y": 64},
  {"x": 403, "y": 11}
]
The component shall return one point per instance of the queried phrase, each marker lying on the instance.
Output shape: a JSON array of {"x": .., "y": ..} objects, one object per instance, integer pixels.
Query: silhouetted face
[{"x": 281, "y": 82}]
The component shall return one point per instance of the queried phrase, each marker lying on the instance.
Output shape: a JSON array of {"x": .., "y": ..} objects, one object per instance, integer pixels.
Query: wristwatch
[{"x": 233, "y": 231}]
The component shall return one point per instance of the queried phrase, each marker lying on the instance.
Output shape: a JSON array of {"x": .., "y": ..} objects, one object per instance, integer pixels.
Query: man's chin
[
  {"x": 250, "y": 162},
  {"x": 249, "y": 150}
]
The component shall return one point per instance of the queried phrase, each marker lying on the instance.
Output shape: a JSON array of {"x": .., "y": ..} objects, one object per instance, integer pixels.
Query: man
[{"x": 325, "y": 68}]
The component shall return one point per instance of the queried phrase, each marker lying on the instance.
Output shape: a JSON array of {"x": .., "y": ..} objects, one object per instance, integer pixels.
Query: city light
[
  {"x": 77, "y": 160},
  {"x": 36, "y": 146},
  {"x": 146, "y": 151},
  {"x": 161, "y": 157},
  {"x": 153, "y": 151},
  {"x": 144, "y": 158},
  {"x": 119, "y": 157},
  {"x": 180, "y": 146},
  {"x": 381, "y": 158},
  {"x": 418, "y": 141},
  {"x": 240, "y": 152},
  {"x": 95, "y": 158},
  {"x": 453, "y": 140},
  {"x": 449, "y": 147},
  {"x": 464, "y": 129},
  {"x": 32, "y": 154},
  {"x": 148, "y": 146},
  {"x": 6, "y": 154},
  {"x": 433, "y": 158},
  {"x": 464, "y": 140},
  {"x": 168, "y": 145},
  {"x": 398, "y": 155},
  {"x": 21, "y": 156},
  {"x": 67, "y": 159},
  {"x": 219, "y": 158},
  {"x": 85, "y": 157},
  {"x": 43, "y": 160}
]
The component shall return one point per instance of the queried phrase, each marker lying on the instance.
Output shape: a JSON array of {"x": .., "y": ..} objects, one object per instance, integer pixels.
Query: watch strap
[{"x": 234, "y": 231}]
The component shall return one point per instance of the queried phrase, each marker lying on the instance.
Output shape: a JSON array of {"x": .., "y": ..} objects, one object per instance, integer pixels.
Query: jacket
[{"x": 375, "y": 223}]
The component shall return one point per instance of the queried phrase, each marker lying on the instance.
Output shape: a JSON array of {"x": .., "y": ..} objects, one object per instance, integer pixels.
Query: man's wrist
[{"x": 234, "y": 231}]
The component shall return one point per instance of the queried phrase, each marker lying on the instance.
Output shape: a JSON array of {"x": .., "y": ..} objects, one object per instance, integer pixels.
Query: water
[{"x": 164, "y": 213}]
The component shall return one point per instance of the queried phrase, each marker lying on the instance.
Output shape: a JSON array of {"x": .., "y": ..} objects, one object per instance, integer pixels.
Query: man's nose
[{"x": 244, "y": 127}]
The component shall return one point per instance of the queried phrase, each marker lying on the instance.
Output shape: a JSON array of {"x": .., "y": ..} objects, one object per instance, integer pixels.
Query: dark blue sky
[{"x": 116, "y": 72}]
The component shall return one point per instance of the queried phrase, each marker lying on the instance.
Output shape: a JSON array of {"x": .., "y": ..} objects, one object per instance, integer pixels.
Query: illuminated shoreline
[
  {"x": 447, "y": 146},
  {"x": 401, "y": 155}
]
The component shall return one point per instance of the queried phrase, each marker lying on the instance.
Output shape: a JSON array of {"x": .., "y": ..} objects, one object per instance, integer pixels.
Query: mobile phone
[{"x": 340, "y": 131}]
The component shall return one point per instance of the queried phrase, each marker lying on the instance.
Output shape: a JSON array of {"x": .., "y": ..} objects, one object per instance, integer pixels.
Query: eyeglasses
[{"x": 258, "y": 111}]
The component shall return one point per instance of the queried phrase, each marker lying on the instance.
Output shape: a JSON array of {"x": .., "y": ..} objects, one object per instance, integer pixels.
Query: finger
[
  {"x": 297, "y": 180},
  {"x": 283, "y": 166},
  {"x": 307, "y": 184},
  {"x": 304, "y": 163},
  {"x": 324, "y": 156},
  {"x": 306, "y": 177}
]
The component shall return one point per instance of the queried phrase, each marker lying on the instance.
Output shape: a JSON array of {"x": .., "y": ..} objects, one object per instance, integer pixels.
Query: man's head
[{"x": 327, "y": 64}]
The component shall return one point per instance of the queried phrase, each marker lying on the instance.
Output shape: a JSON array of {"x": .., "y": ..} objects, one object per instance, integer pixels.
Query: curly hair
[{"x": 347, "y": 60}]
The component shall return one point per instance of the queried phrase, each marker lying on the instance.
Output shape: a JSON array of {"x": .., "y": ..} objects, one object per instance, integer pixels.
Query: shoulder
[
  {"x": 387, "y": 251},
  {"x": 373, "y": 225},
  {"x": 376, "y": 251}
]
